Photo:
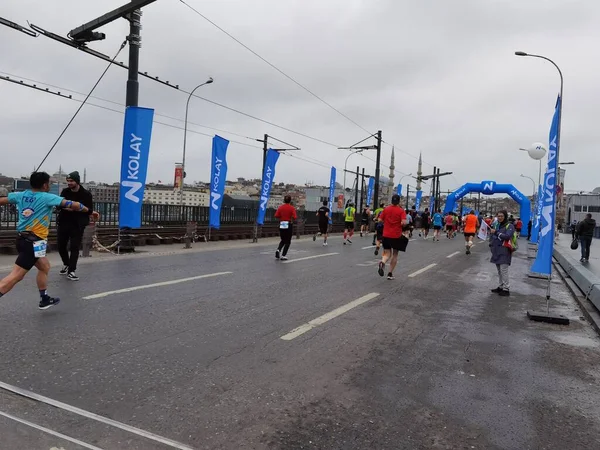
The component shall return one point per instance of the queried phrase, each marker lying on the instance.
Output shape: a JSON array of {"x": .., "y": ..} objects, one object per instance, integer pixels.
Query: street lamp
[
  {"x": 534, "y": 188},
  {"x": 345, "y": 164},
  {"x": 187, "y": 107},
  {"x": 561, "y": 101}
]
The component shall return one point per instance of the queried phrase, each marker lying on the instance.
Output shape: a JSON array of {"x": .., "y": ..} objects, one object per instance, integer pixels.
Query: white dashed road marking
[
  {"x": 420, "y": 271},
  {"x": 328, "y": 316},
  {"x": 308, "y": 257}
]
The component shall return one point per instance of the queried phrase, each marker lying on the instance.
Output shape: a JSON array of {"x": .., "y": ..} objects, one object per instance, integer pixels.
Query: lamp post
[
  {"x": 345, "y": 165},
  {"x": 534, "y": 191},
  {"x": 559, "y": 106},
  {"x": 187, "y": 107}
]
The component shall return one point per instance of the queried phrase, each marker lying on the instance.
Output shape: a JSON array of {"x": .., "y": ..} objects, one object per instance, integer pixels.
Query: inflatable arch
[{"x": 490, "y": 188}]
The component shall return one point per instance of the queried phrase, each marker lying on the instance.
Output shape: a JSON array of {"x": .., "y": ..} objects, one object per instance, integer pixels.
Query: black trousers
[
  {"x": 69, "y": 241},
  {"x": 286, "y": 240}
]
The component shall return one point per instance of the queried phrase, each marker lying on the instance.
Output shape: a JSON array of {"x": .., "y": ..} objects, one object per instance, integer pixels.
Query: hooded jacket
[{"x": 586, "y": 227}]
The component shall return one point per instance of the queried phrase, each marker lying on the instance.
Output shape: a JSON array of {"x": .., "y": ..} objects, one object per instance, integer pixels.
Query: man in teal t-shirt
[
  {"x": 438, "y": 223},
  {"x": 35, "y": 207}
]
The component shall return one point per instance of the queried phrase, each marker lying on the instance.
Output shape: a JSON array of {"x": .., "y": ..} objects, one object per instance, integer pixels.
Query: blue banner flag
[
  {"x": 535, "y": 225},
  {"x": 432, "y": 204},
  {"x": 267, "y": 182},
  {"x": 418, "y": 200},
  {"x": 399, "y": 190},
  {"x": 134, "y": 165},
  {"x": 370, "y": 190},
  {"x": 543, "y": 260},
  {"x": 218, "y": 176},
  {"x": 331, "y": 192}
]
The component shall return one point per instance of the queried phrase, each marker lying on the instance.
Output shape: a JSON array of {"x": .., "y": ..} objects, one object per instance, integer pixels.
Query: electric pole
[{"x": 377, "y": 172}]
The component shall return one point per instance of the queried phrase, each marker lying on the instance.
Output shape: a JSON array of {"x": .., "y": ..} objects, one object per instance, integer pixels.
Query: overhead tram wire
[
  {"x": 293, "y": 80},
  {"x": 65, "y": 41},
  {"x": 82, "y": 103}
]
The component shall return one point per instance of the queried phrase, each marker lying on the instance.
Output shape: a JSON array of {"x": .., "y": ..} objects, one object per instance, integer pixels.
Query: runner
[
  {"x": 393, "y": 218},
  {"x": 286, "y": 214},
  {"x": 349, "y": 215},
  {"x": 378, "y": 228},
  {"x": 455, "y": 224},
  {"x": 449, "y": 221},
  {"x": 323, "y": 214},
  {"x": 413, "y": 221},
  {"x": 425, "y": 217},
  {"x": 471, "y": 225},
  {"x": 35, "y": 210},
  {"x": 438, "y": 222},
  {"x": 518, "y": 227},
  {"x": 364, "y": 221}
]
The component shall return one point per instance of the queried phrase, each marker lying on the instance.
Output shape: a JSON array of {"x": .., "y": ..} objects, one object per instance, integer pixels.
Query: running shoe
[
  {"x": 349, "y": 241},
  {"x": 376, "y": 252},
  {"x": 324, "y": 244},
  {"x": 314, "y": 237},
  {"x": 71, "y": 276},
  {"x": 48, "y": 302},
  {"x": 497, "y": 290},
  {"x": 504, "y": 293},
  {"x": 361, "y": 234},
  {"x": 381, "y": 268},
  {"x": 284, "y": 258},
  {"x": 64, "y": 270},
  {"x": 391, "y": 276},
  {"x": 277, "y": 254}
]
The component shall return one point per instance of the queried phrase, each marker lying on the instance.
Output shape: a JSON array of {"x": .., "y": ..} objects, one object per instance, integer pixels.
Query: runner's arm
[{"x": 4, "y": 201}]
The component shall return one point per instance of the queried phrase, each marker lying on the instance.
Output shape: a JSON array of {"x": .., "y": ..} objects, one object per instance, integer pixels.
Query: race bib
[
  {"x": 39, "y": 248},
  {"x": 284, "y": 225}
]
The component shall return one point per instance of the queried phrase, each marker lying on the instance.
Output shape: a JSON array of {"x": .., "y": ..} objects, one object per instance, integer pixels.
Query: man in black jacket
[
  {"x": 71, "y": 225},
  {"x": 585, "y": 231}
]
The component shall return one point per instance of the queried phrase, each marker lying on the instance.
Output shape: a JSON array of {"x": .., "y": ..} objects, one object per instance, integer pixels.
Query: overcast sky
[{"x": 437, "y": 77}]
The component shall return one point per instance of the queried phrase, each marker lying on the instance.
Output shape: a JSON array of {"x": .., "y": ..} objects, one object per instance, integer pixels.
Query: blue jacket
[{"x": 501, "y": 254}]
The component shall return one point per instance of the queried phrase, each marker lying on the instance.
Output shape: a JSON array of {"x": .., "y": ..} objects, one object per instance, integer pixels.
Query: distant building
[
  {"x": 104, "y": 192},
  {"x": 166, "y": 195},
  {"x": 315, "y": 196},
  {"x": 578, "y": 205}
]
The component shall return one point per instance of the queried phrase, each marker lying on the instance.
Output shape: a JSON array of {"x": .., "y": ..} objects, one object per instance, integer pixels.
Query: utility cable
[
  {"x": 81, "y": 106},
  {"x": 275, "y": 67}
]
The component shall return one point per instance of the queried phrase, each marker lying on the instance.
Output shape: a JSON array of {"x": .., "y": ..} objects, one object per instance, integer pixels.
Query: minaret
[
  {"x": 419, "y": 172},
  {"x": 391, "y": 180},
  {"x": 84, "y": 175}
]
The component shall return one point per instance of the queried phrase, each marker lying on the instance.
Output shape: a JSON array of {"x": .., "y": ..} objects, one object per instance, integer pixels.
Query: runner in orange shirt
[{"x": 471, "y": 225}]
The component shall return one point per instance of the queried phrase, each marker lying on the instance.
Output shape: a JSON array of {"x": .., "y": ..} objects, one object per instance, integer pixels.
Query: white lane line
[
  {"x": 420, "y": 271},
  {"x": 328, "y": 316},
  {"x": 453, "y": 254},
  {"x": 370, "y": 246},
  {"x": 308, "y": 257},
  {"x": 52, "y": 432},
  {"x": 148, "y": 286},
  {"x": 96, "y": 417}
]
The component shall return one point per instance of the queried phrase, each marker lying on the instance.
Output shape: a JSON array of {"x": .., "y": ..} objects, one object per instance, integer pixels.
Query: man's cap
[{"x": 75, "y": 177}]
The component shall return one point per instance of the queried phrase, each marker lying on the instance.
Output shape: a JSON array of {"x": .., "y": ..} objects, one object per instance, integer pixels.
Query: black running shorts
[
  {"x": 348, "y": 225},
  {"x": 395, "y": 243},
  {"x": 323, "y": 226},
  {"x": 437, "y": 227},
  {"x": 25, "y": 260},
  {"x": 449, "y": 227},
  {"x": 469, "y": 234}
]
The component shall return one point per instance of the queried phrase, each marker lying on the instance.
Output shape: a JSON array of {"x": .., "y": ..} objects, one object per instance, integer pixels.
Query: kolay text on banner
[
  {"x": 134, "y": 165},
  {"x": 370, "y": 189},
  {"x": 418, "y": 200},
  {"x": 218, "y": 176},
  {"x": 331, "y": 192},
  {"x": 267, "y": 183},
  {"x": 543, "y": 260}
]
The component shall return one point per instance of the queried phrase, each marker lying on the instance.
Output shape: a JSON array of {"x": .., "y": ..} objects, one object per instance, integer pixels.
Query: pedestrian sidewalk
[{"x": 585, "y": 275}]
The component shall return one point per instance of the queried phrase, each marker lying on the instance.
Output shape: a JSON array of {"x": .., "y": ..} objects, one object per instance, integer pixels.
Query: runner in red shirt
[
  {"x": 286, "y": 214},
  {"x": 393, "y": 218}
]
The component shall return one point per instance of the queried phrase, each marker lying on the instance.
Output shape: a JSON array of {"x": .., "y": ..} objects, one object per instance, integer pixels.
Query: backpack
[{"x": 512, "y": 244}]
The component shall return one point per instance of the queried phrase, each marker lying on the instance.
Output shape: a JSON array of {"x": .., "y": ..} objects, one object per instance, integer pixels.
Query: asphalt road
[{"x": 428, "y": 361}]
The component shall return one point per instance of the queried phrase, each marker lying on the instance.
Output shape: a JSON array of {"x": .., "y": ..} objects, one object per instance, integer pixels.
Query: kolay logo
[
  {"x": 266, "y": 188},
  {"x": 460, "y": 193},
  {"x": 133, "y": 169},
  {"x": 214, "y": 193},
  {"x": 549, "y": 189},
  {"x": 487, "y": 187}
]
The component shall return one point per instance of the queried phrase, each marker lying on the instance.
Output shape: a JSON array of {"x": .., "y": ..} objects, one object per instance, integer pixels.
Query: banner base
[
  {"x": 548, "y": 318},
  {"x": 541, "y": 276}
]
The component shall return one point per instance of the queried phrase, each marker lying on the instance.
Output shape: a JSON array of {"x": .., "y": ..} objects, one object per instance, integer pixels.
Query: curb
[{"x": 583, "y": 284}]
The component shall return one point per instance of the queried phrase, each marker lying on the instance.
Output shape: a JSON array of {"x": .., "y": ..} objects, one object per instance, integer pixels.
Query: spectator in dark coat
[
  {"x": 585, "y": 231},
  {"x": 501, "y": 232}
]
